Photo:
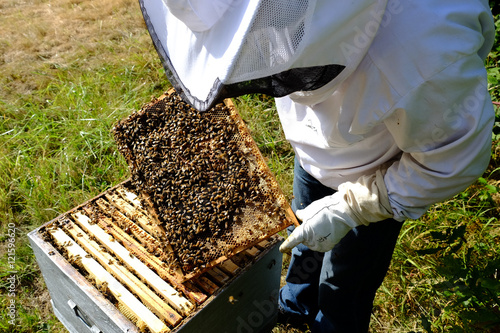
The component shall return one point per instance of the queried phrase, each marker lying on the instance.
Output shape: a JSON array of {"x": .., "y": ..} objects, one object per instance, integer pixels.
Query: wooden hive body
[{"x": 93, "y": 290}]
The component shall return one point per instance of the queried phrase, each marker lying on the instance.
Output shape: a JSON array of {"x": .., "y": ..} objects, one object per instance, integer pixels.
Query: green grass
[{"x": 70, "y": 69}]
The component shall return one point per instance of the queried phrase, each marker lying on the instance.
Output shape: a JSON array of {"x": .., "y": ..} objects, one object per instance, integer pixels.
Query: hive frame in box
[
  {"x": 248, "y": 299},
  {"x": 257, "y": 165}
]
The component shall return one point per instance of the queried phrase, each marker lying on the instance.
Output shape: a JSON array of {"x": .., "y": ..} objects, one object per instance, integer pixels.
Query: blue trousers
[{"x": 334, "y": 291}]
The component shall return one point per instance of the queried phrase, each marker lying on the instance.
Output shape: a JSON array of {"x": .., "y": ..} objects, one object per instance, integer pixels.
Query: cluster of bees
[{"x": 193, "y": 170}]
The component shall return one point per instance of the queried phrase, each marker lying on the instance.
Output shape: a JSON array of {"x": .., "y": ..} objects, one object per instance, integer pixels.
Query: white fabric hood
[{"x": 277, "y": 47}]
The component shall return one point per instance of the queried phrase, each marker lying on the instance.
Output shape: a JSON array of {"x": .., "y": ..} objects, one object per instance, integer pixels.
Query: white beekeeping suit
[{"x": 416, "y": 109}]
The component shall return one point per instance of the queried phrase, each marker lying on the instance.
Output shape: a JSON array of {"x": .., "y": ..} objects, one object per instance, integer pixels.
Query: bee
[{"x": 103, "y": 287}]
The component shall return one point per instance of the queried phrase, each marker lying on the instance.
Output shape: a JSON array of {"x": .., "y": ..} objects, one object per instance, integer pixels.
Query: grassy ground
[{"x": 69, "y": 69}]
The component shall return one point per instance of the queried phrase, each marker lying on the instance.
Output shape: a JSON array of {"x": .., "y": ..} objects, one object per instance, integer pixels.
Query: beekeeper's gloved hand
[
  {"x": 326, "y": 221},
  {"x": 198, "y": 15}
]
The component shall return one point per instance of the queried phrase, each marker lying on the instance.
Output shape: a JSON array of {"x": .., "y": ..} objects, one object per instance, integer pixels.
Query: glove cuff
[{"x": 367, "y": 199}]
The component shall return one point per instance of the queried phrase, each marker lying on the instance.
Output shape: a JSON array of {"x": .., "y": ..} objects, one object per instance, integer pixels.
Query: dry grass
[{"x": 41, "y": 35}]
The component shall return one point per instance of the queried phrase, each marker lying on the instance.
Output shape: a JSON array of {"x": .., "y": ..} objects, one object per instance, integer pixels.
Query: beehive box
[
  {"x": 187, "y": 244},
  {"x": 102, "y": 278}
]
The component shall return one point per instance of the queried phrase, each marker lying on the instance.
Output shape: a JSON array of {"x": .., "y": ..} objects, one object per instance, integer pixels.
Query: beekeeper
[{"x": 384, "y": 102}]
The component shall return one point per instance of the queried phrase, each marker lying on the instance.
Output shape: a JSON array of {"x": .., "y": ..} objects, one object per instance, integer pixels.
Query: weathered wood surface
[
  {"x": 65, "y": 285},
  {"x": 178, "y": 302},
  {"x": 122, "y": 274},
  {"x": 104, "y": 279}
]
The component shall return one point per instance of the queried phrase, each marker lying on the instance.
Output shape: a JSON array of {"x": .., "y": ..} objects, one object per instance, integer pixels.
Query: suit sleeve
[{"x": 444, "y": 129}]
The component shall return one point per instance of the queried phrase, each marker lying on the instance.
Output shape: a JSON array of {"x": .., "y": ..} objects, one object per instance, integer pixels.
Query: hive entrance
[{"x": 203, "y": 179}]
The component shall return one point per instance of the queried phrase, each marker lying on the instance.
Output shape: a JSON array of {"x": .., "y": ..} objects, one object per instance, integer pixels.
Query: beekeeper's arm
[{"x": 443, "y": 128}]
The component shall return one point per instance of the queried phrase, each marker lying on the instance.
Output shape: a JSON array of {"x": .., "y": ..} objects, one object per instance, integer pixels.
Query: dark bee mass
[{"x": 192, "y": 169}]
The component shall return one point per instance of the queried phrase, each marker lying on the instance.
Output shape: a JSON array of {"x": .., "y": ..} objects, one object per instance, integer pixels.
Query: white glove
[
  {"x": 326, "y": 221},
  {"x": 198, "y": 15}
]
